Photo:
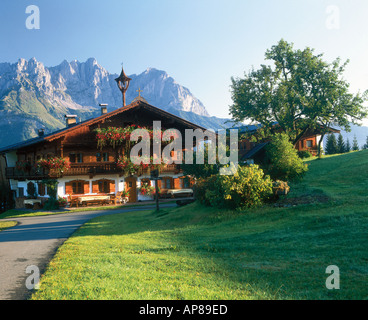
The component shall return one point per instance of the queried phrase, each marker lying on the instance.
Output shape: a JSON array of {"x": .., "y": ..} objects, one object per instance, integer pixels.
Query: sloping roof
[
  {"x": 248, "y": 128},
  {"x": 59, "y": 133},
  {"x": 251, "y": 153},
  {"x": 252, "y": 128}
]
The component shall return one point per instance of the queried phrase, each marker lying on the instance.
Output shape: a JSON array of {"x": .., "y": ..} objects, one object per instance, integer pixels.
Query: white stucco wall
[{"x": 61, "y": 186}]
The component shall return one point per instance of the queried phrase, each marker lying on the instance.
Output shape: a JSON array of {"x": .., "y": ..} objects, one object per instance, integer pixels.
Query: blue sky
[{"x": 200, "y": 43}]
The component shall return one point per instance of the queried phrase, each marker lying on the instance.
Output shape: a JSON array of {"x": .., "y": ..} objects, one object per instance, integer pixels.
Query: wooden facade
[
  {"x": 308, "y": 142},
  {"x": 92, "y": 170}
]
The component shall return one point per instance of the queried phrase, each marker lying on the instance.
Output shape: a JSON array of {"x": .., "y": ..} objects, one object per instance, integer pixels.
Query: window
[
  {"x": 102, "y": 157},
  {"x": 103, "y": 186},
  {"x": 78, "y": 187},
  {"x": 41, "y": 189},
  {"x": 309, "y": 143},
  {"x": 185, "y": 183},
  {"x": 76, "y": 157},
  {"x": 166, "y": 183}
]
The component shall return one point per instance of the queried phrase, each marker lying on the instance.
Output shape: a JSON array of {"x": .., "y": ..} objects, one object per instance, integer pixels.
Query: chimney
[
  {"x": 41, "y": 132},
  {"x": 71, "y": 119},
  {"x": 103, "y": 108}
]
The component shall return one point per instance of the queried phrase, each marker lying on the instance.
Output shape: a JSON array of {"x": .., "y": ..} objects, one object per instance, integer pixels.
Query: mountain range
[{"x": 34, "y": 96}]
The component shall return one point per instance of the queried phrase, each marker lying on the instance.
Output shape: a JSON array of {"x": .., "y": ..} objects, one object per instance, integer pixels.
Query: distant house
[{"x": 254, "y": 152}]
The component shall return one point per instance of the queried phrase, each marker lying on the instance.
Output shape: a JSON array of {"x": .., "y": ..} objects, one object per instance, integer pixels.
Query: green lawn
[
  {"x": 7, "y": 224},
  {"x": 21, "y": 213},
  {"x": 196, "y": 252}
]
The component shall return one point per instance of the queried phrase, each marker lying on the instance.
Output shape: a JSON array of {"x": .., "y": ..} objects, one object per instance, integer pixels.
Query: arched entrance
[{"x": 131, "y": 187}]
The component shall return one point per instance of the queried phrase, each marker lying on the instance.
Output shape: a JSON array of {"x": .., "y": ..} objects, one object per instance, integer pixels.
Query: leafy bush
[
  {"x": 51, "y": 204},
  {"x": 280, "y": 187},
  {"x": 146, "y": 189},
  {"x": 31, "y": 190},
  {"x": 62, "y": 201},
  {"x": 283, "y": 162},
  {"x": 248, "y": 187},
  {"x": 304, "y": 154}
]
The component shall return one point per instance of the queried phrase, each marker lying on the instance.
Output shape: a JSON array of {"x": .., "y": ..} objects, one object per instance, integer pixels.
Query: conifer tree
[
  {"x": 331, "y": 145},
  {"x": 340, "y": 144},
  {"x": 355, "y": 144},
  {"x": 366, "y": 144},
  {"x": 347, "y": 145}
]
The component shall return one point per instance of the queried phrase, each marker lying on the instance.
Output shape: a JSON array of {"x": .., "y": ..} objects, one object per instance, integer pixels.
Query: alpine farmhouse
[{"x": 83, "y": 165}]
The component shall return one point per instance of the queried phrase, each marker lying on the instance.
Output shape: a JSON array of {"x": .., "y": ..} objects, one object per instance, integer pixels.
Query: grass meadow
[{"x": 196, "y": 252}]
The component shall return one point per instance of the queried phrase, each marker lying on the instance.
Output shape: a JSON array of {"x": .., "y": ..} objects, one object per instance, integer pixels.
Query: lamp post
[{"x": 155, "y": 177}]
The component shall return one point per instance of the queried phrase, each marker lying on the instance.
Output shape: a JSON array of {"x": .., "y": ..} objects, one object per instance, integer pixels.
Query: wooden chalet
[
  {"x": 255, "y": 152},
  {"x": 92, "y": 170}
]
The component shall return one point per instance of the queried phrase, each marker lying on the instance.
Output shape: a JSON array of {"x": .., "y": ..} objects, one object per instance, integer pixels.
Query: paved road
[{"x": 34, "y": 241}]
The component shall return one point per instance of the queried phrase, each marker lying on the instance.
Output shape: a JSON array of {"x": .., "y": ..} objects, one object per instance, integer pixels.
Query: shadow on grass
[{"x": 270, "y": 253}]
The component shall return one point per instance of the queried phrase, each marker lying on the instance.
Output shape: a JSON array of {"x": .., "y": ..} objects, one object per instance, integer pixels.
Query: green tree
[
  {"x": 282, "y": 160},
  {"x": 299, "y": 92},
  {"x": 355, "y": 144},
  {"x": 331, "y": 144},
  {"x": 366, "y": 144},
  {"x": 204, "y": 170},
  {"x": 341, "y": 144},
  {"x": 347, "y": 145}
]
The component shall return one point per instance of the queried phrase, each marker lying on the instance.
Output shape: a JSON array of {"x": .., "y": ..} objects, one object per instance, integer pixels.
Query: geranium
[
  {"x": 115, "y": 136},
  {"x": 124, "y": 194},
  {"x": 126, "y": 165},
  {"x": 62, "y": 201},
  {"x": 146, "y": 189},
  {"x": 133, "y": 165},
  {"x": 55, "y": 163}
]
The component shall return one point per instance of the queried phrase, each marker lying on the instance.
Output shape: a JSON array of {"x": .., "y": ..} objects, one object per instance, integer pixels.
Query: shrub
[
  {"x": 280, "y": 187},
  {"x": 62, "y": 201},
  {"x": 248, "y": 187},
  {"x": 200, "y": 187},
  {"x": 31, "y": 190},
  {"x": 51, "y": 204},
  {"x": 304, "y": 154},
  {"x": 146, "y": 189},
  {"x": 283, "y": 162}
]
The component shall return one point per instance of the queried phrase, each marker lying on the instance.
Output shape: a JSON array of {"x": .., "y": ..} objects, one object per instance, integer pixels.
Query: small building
[{"x": 250, "y": 151}]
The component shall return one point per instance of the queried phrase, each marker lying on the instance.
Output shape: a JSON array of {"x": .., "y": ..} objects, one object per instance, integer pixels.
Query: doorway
[{"x": 131, "y": 187}]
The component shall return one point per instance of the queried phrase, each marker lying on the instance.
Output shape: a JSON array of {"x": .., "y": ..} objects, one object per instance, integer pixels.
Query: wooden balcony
[
  {"x": 31, "y": 174},
  {"x": 174, "y": 168},
  {"x": 79, "y": 169},
  {"x": 91, "y": 169}
]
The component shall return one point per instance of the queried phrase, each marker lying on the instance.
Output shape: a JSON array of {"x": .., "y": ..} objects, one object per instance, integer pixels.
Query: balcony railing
[
  {"x": 77, "y": 169},
  {"x": 30, "y": 174},
  {"x": 91, "y": 169}
]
